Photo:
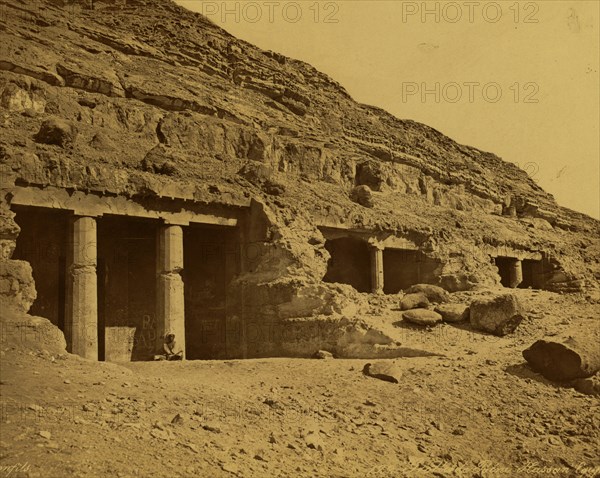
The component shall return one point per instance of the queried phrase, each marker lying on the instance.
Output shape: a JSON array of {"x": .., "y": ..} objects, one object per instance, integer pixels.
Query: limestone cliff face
[{"x": 166, "y": 104}]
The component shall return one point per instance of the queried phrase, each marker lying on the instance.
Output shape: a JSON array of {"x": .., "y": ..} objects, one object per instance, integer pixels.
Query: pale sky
[{"x": 519, "y": 79}]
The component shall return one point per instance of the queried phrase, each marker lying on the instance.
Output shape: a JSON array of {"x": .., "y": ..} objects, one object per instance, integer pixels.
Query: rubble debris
[
  {"x": 323, "y": 354},
  {"x": 422, "y": 317},
  {"x": 588, "y": 386},
  {"x": 414, "y": 301},
  {"x": 568, "y": 359},
  {"x": 453, "y": 313},
  {"x": 499, "y": 315},
  {"x": 387, "y": 371},
  {"x": 434, "y": 293}
]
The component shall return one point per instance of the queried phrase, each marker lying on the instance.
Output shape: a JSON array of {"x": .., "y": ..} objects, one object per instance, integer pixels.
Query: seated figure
[{"x": 172, "y": 350}]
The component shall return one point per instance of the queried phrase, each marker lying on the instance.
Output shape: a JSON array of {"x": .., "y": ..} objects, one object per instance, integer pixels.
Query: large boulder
[
  {"x": 435, "y": 294},
  {"x": 414, "y": 301},
  {"x": 160, "y": 160},
  {"x": 568, "y": 359},
  {"x": 499, "y": 315},
  {"x": 17, "y": 288},
  {"x": 453, "y": 313},
  {"x": 386, "y": 371},
  {"x": 363, "y": 196},
  {"x": 323, "y": 355},
  {"x": 422, "y": 317},
  {"x": 26, "y": 332},
  {"x": 57, "y": 131},
  {"x": 371, "y": 173},
  {"x": 256, "y": 173}
]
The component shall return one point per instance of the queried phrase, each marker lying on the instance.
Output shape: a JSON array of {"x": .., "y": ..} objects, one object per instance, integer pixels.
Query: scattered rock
[
  {"x": 414, "y": 301},
  {"x": 314, "y": 440},
  {"x": 260, "y": 456},
  {"x": 274, "y": 188},
  {"x": 323, "y": 354},
  {"x": 386, "y": 371},
  {"x": 177, "y": 420},
  {"x": 434, "y": 293},
  {"x": 363, "y": 196},
  {"x": 212, "y": 427},
  {"x": 102, "y": 142},
  {"x": 161, "y": 160},
  {"x": 499, "y": 315},
  {"x": 422, "y": 317},
  {"x": 568, "y": 359},
  {"x": 453, "y": 313},
  {"x": 57, "y": 131},
  {"x": 45, "y": 434},
  {"x": 588, "y": 386}
]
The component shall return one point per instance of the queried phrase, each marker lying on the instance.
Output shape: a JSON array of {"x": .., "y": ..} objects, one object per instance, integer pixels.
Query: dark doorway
[
  {"x": 505, "y": 266},
  {"x": 403, "y": 268},
  {"x": 532, "y": 274},
  {"x": 211, "y": 261},
  {"x": 350, "y": 263},
  {"x": 126, "y": 288},
  {"x": 43, "y": 242}
]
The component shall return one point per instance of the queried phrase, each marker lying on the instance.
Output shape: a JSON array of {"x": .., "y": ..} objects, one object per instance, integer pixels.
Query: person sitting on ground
[{"x": 171, "y": 348}]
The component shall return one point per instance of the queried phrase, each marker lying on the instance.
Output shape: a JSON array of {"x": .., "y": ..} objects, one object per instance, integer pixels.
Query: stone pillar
[
  {"x": 170, "y": 313},
  {"x": 81, "y": 322},
  {"x": 516, "y": 273},
  {"x": 376, "y": 270}
]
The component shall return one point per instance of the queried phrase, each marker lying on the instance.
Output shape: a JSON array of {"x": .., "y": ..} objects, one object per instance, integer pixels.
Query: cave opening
[
  {"x": 127, "y": 329},
  {"x": 42, "y": 242},
  {"x": 403, "y": 268},
  {"x": 350, "y": 263},
  {"x": 505, "y": 268},
  {"x": 211, "y": 262},
  {"x": 532, "y": 274}
]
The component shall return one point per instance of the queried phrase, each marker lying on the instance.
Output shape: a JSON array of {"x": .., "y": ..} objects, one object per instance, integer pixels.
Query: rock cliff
[{"x": 145, "y": 99}]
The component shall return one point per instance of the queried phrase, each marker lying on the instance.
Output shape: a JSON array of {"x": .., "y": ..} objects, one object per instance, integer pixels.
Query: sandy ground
[{"x": 475, "y": 411}]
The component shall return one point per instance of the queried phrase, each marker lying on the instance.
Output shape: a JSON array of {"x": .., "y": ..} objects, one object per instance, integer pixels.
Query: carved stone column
[
  {"x": 170, "y": 300},
  {"x": 376, "y": 270},
  {"x": 516, "y": 273},
  {"x": 82, "y": 289}
]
